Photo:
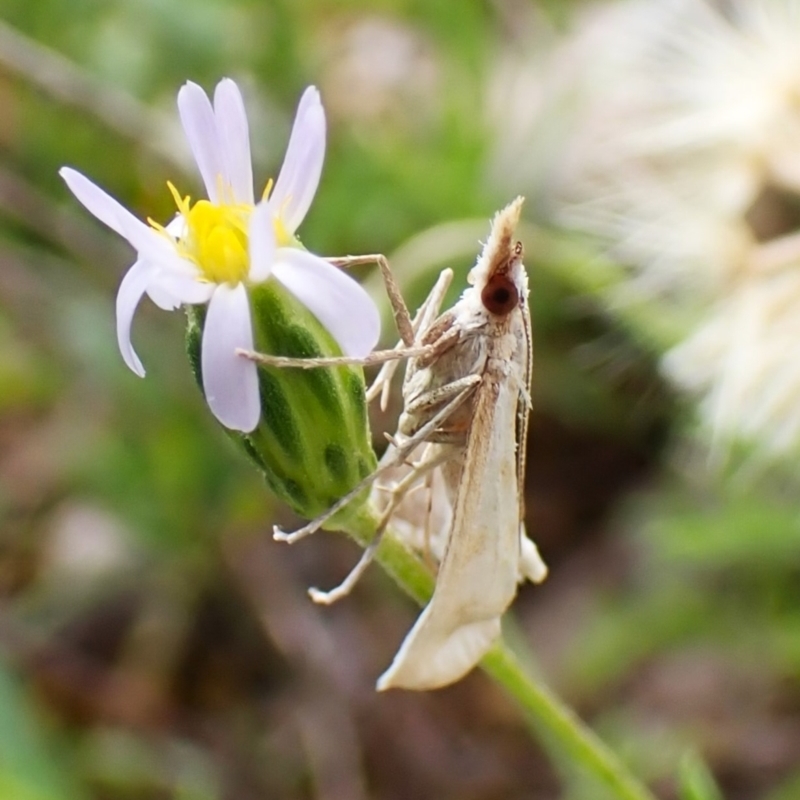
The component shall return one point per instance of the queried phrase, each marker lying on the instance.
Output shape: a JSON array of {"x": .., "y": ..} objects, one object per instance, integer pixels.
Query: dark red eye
[{"x": 500, "y": 296}]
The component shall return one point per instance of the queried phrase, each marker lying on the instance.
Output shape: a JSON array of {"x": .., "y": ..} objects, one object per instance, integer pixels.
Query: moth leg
[
  {"x": 388, "y": 358},
  {"x": 377, "y": 357},
  {"x": 423, "y": 319},
  {"x": 429, "y": 400},
  {"x": 403, "y": 451},
  {"x": 398, "y": 492},
  {"x": 401, "y": 316},
  {"x": 432, "y": 304}
]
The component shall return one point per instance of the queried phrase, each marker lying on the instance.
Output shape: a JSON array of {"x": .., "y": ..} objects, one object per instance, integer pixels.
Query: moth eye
[{"x": 500, "y": 296}]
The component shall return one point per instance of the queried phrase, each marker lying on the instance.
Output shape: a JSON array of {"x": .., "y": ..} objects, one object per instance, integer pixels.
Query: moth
[{"x": 466, "y": 404}]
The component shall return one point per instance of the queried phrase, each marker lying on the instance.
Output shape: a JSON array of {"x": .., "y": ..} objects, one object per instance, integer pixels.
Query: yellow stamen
[
  {"x": 267, "y": 189},
  {"x": 181, "y": 203},
  {"x": 157, "y": 226},
  {"x": 215, "y": 236}
]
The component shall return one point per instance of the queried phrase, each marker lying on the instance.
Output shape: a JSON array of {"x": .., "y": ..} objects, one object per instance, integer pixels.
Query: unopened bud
[{"x": 312, "y": 442}]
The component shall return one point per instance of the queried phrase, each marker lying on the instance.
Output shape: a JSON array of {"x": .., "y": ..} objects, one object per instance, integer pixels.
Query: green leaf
[
  {"x": 29, "y": 769},
  {"x": 695, "y": 780}
]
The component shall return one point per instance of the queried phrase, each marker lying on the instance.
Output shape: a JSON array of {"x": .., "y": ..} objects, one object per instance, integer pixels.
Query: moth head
[{"x": 499, "y": 276}]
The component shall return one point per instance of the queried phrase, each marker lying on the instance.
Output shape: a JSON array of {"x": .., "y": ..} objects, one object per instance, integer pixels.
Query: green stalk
[{"x": 576, "y": 739}]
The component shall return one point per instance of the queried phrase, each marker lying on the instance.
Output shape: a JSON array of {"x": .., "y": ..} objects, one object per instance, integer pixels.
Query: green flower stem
[{"x": 577, "y": 740}]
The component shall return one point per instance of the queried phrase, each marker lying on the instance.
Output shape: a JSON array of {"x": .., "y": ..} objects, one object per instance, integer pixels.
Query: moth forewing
[
  {"x": 478, "y": 575},
  {"x": 487, "y": 552},
  {"x": 532, "y": 567}
]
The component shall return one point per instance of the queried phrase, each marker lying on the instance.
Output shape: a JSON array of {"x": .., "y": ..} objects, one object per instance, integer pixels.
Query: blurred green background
[{"x": 154, "y": 641}]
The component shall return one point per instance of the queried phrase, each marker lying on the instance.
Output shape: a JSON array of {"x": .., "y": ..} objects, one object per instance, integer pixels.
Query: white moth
[
  {"x": 466, "y": 407},
  {"x": 487, "y": 552}
]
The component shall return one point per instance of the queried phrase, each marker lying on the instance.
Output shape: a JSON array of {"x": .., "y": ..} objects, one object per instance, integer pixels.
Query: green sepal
[{"x": 312, "y": 443}]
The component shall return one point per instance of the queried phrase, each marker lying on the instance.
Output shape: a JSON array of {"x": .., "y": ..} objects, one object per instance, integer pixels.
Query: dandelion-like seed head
[{"x": 683, "y": 160}]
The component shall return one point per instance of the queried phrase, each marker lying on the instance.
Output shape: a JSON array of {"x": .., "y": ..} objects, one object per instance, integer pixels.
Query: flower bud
[{"x": 312, "y": 442}]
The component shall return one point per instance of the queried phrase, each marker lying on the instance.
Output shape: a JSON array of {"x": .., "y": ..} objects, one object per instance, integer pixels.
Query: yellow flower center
[
  {"x": 216, "y": 240},
  {"x": 215, "y": 237}
]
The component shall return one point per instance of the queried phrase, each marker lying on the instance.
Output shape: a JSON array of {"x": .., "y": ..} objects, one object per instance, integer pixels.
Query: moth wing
[
  {"x": 436, "y": 653},
  {"x": 531, "y": 565},
  {"x": 479, "y": 572}
]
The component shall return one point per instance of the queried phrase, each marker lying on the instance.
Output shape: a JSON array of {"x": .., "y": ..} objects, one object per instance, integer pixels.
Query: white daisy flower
[{"x": 214, "y": 249}]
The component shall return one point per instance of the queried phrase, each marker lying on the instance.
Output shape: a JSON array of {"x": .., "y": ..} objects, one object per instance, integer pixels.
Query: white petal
[
  {"x": 234, "y": 139},
  {"x": 169, "y": 290},
  {"x": 299, "y": 177},
  {"x": 142, "y": 237},
  {"x": 197, "y": 117},
  {"x": 335, "y": 299},
  {"x": 162, "y": 297},
  {"x": 151, "y": 244},
  {"x": 261, "y": 237},
  {"x": 182, "y": 288},
  {"x": 176, "y": 227},
  {"x": 230, "y": 382},
  {"x": 158, "y": 249},
  {"x": 175, "y": 280},
  {"x": 96, "y": 201},
  {"x": 130, "y": 293}
]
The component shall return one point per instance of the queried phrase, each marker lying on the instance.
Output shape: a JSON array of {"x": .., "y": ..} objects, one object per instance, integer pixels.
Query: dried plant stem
[{"x": 576, "y": 739}]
